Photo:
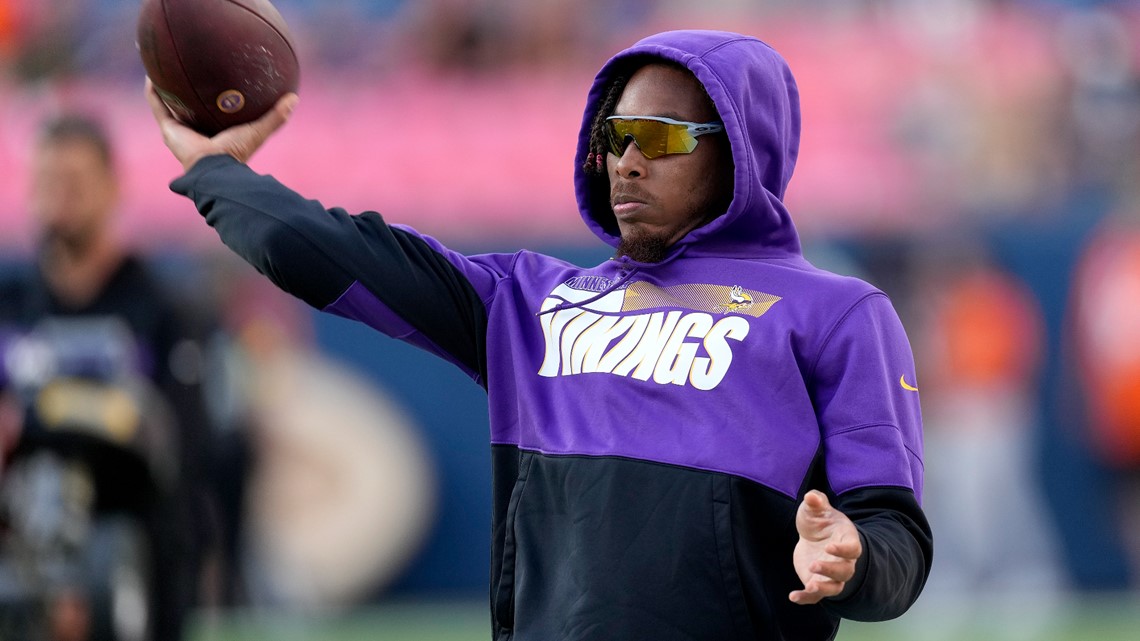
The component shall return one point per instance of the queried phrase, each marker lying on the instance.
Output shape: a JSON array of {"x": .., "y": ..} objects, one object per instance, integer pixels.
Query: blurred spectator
[
  {"x": 82, "y": 270},
  {"x": 980, "y": 350},
  {"x": 1106, "y": 328}
]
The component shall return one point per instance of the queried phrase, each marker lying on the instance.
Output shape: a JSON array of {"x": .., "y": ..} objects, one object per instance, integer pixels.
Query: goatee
[{"x": 643, "y": 247}]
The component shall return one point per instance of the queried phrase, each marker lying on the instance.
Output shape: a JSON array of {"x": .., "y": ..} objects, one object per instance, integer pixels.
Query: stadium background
[{"x": 966, "y": 156}]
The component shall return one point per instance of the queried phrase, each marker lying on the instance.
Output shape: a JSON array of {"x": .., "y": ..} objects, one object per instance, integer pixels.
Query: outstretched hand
[
  {"x": 240, "y": 141},
  {"x": 825, "y": 556}
]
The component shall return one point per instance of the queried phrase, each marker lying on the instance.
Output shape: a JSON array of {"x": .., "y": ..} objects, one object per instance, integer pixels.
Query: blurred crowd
[{"x": 978, "y": 160}]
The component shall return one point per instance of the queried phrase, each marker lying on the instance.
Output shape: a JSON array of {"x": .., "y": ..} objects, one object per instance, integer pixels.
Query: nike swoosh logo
[{"x": 907, "y": 386}]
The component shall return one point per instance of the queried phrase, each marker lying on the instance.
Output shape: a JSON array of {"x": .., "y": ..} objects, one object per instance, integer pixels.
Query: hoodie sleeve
[
  {"x": 357, "y": 266},
  {"x": 897, "y": 553},
  {"x": 866, "y": 396}
]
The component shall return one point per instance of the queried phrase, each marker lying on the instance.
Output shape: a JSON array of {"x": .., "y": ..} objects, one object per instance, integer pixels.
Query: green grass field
[{"x": 1116, "y": 619}]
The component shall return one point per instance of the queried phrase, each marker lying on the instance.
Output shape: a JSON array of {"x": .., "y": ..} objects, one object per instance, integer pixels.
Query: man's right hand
[{"x": 240, "y": 141}]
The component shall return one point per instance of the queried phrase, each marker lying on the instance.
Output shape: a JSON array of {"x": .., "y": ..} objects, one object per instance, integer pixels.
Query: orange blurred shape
[
  {"x": 990, "y": 330},
  {"x": 1107, "y": 323},
  {"x": 7, "y": 25}
]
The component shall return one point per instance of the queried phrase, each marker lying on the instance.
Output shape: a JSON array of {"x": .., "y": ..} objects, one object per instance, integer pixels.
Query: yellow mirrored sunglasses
[{"x": 656, "y": 136}]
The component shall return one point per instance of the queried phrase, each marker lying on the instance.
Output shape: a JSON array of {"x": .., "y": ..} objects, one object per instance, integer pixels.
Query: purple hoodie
[{"x": 653, "y": 426}]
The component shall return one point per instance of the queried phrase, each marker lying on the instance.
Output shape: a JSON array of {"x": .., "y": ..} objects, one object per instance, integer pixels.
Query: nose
[{"x": 632, "y": 163}]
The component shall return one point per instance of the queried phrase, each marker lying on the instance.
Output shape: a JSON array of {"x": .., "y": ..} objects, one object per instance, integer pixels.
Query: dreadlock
[{"x": 597, "y": 128}]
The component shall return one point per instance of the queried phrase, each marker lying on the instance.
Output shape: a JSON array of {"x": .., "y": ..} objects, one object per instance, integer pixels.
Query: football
[{"x": 217, "y": 63}]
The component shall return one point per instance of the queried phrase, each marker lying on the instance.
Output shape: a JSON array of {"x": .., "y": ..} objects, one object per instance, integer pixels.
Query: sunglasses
[{"x": 656, "y": 136}]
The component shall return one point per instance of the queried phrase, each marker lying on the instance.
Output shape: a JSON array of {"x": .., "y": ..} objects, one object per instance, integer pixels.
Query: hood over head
[{"x": 756, "y": 97}]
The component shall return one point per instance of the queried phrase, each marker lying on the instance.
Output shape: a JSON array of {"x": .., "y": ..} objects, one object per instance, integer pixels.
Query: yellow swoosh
[{"x": 905, "y": 385}]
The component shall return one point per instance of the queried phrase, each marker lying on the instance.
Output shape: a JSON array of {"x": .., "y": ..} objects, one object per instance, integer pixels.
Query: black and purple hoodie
[{"x": 653, "y": 426}]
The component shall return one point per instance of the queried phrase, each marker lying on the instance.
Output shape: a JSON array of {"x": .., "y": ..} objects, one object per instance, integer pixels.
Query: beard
[{"x": 644, "y": 247}]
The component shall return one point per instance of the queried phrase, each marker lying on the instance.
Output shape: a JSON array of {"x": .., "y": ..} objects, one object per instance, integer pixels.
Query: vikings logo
[
  {"x": 738, "y": 299},
  {"x": 669, "y": 335}
]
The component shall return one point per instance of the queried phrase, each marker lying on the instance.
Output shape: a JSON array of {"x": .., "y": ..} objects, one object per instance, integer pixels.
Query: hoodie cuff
[
  {"x": 184, "y": 185},
  {"x": 856, "y": 581}
]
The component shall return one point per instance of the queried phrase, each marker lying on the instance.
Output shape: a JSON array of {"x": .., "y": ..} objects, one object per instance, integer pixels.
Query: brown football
[{"x": 217, "y": 63}]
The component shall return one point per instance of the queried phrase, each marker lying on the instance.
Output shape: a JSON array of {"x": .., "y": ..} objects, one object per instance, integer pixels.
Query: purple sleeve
[{"x": 867, "y": 402}]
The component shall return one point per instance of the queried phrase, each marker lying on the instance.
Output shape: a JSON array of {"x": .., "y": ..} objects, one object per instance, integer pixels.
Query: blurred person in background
[
  {"x": 705, "y": 437},
  {"x": 82, "y": 271},
  {"x": 1105, "y": 326},
  {"x": 981, "y": 346}
]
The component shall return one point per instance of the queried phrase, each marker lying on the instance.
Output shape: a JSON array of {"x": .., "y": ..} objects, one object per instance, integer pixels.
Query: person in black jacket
[{"x": 84, "y": 274}]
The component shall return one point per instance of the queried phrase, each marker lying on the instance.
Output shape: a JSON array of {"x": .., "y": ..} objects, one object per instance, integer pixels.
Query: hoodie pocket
[
  {"x": 504, "y": 598},
  {"x": 726, "y": 555}
]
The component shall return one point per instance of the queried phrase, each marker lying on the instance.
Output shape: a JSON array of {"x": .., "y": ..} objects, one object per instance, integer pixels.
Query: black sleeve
[
  {"x": 317, "y": 255},
  {"x": 898, "y": 548},
  {"x": 290, "y": 240}
]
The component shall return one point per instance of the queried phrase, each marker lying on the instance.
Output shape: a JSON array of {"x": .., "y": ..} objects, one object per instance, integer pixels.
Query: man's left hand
[{"x": 825, "y": 556}]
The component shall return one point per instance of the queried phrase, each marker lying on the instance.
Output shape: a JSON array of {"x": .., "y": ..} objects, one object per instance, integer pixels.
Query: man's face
[
  {"x": 73, "y": 192},
  {"x": 656, "y": 202}
]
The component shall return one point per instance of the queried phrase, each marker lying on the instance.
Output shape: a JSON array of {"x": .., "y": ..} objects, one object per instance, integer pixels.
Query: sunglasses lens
[
  {"x": 652, "y": 137},
  {"x": 616, "y": 141}
]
